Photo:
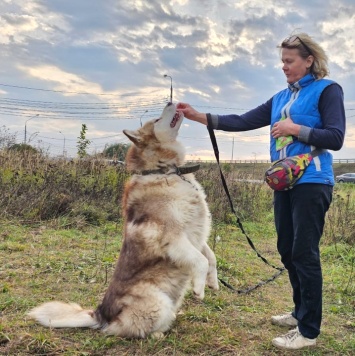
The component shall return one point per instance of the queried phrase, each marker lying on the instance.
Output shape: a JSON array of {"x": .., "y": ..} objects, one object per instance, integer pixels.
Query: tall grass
[
  {"x": 340, "y": 225},
  {"x": 36, "y": 188}
]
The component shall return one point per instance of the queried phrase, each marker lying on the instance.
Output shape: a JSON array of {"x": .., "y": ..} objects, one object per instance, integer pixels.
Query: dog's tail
[{"x": 64, "y": 315}]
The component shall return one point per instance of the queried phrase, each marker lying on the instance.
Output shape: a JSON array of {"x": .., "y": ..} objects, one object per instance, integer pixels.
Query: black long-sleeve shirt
[{"x": 332, "y": 112}]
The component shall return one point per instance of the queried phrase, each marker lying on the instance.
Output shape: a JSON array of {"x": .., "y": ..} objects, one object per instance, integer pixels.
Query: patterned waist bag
[{"x": 284, "y": 173}]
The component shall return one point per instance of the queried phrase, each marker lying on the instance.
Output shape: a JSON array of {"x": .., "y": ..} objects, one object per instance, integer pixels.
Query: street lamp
[
  {"x": 171, "y": 86},
  {"x": 26, "y": 126},
  {"x": 63, "y": 143},
  {"x": 140, "y": 119}
]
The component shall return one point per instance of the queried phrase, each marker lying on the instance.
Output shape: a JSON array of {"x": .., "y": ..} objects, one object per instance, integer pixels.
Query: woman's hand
[
  {"x": 285, "y": 128},
  {"x": 191, "y": 114}
]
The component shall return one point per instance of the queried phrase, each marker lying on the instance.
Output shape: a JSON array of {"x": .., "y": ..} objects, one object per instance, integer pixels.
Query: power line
[
  {"x": 69, "y": 92},
  {"x": 81, "y": 111},
  {"x": 124, "y": 104},
  {"x": 131, "y": 106}
]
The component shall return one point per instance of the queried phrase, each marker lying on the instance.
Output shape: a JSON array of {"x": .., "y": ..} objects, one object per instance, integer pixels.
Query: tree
[
  {"x": 116, "y": 151},
  {"x": 83, "y": 142}
]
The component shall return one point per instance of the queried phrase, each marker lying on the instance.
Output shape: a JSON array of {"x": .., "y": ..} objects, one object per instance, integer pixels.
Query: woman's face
[{"x": 294, "y": 66}]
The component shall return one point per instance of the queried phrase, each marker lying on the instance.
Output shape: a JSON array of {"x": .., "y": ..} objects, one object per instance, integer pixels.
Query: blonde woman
[{"x": 308, "y": 114}]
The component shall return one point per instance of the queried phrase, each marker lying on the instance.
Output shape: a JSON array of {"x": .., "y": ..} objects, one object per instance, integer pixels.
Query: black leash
[{"x": 240, "y": 225}]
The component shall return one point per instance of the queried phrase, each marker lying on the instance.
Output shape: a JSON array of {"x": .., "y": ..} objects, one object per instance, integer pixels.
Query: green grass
[
  {"x": 60, "y": 236},
  {"x": 76, "y": 264}
]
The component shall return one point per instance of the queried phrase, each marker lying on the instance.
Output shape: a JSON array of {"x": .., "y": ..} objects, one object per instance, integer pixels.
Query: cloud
[
  {"x": 62, "y": 81},
  {"x": 221, "y": 54}
]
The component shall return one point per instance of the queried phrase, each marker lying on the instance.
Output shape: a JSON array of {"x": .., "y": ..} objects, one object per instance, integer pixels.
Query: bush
[{"x": 38, "y": 188}]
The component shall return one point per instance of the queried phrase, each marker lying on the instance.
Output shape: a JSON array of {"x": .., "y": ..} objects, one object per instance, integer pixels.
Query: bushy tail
[{"x": 64, "y": 315}]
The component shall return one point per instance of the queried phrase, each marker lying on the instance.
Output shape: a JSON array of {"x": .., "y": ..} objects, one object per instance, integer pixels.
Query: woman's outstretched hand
[{"x": 191, "y": 114}]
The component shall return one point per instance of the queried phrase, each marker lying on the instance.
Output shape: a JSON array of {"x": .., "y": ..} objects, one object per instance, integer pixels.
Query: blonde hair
[{"x": 307, "y": 46}]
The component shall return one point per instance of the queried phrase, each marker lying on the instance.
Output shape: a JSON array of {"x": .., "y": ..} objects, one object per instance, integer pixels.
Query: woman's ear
[{"x": 309, "y": 61}]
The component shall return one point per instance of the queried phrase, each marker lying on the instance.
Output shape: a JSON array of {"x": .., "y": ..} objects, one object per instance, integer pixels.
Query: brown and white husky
[{"x": 164, "y": 251}]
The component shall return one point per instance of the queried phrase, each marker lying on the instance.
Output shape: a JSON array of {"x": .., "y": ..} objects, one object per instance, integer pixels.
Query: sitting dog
[{"x": 164, "y": 249}]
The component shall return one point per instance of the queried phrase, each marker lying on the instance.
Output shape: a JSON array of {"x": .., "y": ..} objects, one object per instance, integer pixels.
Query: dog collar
[{"x": 179, "y": 170}]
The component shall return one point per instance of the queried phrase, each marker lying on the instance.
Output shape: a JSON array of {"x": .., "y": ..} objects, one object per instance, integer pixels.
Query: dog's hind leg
[
  {"x": 184, "y": 253},
  {"x": 212, "y": 279},
  {"x": 143, "y": 315}
]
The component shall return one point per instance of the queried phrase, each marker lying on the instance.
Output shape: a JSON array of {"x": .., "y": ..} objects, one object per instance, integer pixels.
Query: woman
[{"x": 308, "y": 114}]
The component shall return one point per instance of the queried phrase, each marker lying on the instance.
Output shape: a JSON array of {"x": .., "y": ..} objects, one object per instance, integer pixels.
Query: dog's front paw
[
  {"x": 213, "y": 285},
  {"x": 199, "y": 294},
  {"x": 212, "y": 281}
]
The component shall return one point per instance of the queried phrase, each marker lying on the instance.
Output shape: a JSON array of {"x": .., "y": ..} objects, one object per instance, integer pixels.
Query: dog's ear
[{"x": 133, "y": 136}]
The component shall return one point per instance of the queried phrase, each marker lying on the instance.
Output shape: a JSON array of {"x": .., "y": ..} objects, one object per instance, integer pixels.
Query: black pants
[{"x": 299, "y": 219}]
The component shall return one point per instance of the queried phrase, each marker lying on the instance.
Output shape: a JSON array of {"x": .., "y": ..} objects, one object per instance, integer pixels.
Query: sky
[{"x": 102, "y": 64}]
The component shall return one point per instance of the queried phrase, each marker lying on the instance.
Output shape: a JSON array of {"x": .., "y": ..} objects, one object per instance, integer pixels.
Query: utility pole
[
  {"x": 232, "y": 148},
  {"x": 63, "y": 143}
]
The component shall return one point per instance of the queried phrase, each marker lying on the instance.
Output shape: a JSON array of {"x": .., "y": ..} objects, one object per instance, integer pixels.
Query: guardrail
[
  {"x": 344, "y": 160},
  {"x": 335, "y": 160}
]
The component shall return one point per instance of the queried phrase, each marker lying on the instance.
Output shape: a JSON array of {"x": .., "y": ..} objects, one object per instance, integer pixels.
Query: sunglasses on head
[{"x": 289, "y": 42}]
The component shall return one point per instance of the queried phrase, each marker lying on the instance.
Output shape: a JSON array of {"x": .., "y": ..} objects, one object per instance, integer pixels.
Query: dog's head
[{"x": 154, "y": 144}]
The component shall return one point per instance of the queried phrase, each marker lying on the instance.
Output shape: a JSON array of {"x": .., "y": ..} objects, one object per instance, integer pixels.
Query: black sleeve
[
  {"x": 332, "y": 111},
  {"x": 253, "y": 119}
]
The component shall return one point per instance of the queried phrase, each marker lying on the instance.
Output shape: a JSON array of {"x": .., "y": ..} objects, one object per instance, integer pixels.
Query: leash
[{"x": 239, "y": 223}]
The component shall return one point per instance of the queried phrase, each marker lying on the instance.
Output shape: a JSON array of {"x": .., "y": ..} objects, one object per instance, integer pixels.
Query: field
[{"x": 60, "y": 236}]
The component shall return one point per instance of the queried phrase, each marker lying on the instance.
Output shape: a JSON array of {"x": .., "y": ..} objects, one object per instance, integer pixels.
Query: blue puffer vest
[{"x": 300, "y": 102}]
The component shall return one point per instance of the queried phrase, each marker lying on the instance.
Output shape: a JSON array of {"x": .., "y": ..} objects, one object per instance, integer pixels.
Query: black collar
[{"x": 179, "y": 170}]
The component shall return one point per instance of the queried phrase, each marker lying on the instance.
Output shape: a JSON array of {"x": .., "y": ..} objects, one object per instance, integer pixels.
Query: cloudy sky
[{"x": 102, "y": 63}]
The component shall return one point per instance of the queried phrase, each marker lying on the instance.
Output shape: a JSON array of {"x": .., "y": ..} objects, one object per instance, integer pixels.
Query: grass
[
  {"x": 46, "y": 261},
  {"x": 60, "y": 236}
]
